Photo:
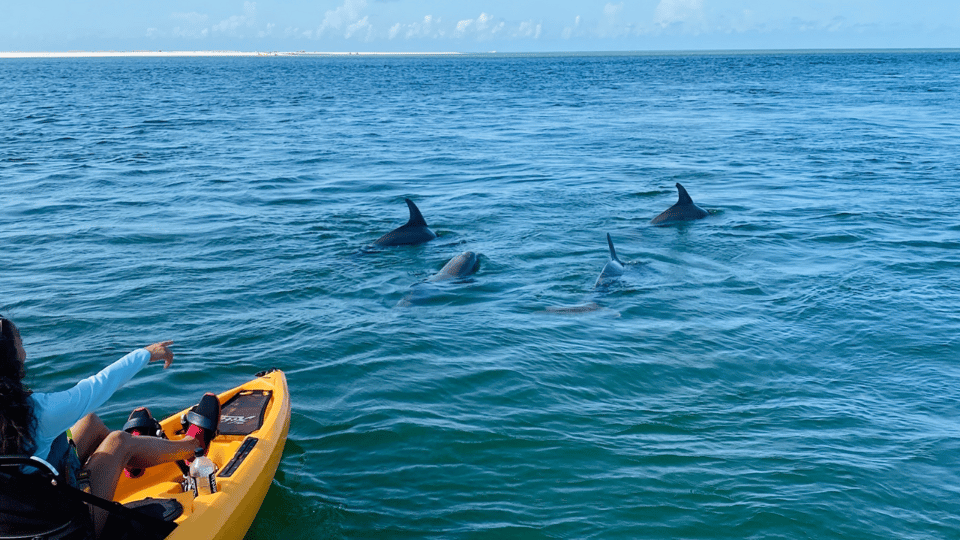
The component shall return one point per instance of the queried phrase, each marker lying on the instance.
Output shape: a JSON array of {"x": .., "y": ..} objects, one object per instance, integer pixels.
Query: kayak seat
[
  {"x": 32, "y": 504},
  {"x": 37, "y": 503}
]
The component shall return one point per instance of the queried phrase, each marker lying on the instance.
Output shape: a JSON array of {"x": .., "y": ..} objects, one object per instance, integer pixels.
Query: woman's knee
[
  {"x": 88, "y": 433},
  {"x": 115, "y": 443},
  {"x": 90, "y": 422}
]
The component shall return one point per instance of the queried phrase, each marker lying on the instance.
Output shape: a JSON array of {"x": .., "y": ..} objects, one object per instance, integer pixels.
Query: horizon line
[{"x": 235, "y": 53}]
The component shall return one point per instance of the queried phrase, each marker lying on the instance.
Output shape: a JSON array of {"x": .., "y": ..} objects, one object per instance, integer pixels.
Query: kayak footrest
[{"x": 238, "y": 458}]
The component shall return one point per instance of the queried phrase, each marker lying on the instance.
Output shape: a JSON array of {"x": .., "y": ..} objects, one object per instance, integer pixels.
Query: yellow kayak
[{"x": 254, "y": 420}]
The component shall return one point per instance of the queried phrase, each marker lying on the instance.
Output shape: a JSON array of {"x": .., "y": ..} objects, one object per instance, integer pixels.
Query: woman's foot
[
  {"x": 141, "y": 423},
  {"x": 202, "y": 421}
]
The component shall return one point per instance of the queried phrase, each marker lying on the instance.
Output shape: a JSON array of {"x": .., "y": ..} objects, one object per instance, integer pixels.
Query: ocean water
[{"x": 788, "y": 367}]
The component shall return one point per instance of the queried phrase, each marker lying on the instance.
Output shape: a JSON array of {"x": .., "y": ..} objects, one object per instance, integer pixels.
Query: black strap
[
  {"x": 201, "y": 421},
  {"x": 119, "y": 509},
  {"x": 141, "y": 422},
  {"x": 47, "y": 473}
]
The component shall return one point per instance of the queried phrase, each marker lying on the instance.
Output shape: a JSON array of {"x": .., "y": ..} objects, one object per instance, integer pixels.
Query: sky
[{"x": 477, "y": 25}]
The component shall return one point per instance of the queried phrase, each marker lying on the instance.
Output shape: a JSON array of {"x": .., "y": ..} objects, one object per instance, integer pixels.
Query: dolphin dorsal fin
[
  {"x": 416, "y": 218},
  {"x": 613, "y": 252},
  {"x": 684, "y": 196}
]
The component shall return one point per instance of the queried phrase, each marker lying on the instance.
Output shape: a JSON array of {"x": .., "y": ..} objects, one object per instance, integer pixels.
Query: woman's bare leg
[
  {"x": 87, "y": 434},
  {"x": 119, "y": 449}
]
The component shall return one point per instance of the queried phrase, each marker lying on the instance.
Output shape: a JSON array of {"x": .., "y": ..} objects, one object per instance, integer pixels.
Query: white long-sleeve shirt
[{"x": 55, "y": 412}]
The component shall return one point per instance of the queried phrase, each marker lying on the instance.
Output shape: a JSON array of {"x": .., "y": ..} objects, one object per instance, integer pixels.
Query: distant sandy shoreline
[
  {"x": 173, "y": 54},
  {"x": 107, "y": 54}
]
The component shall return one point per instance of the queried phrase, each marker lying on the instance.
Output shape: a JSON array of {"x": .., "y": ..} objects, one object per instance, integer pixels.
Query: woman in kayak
[{"x": 61, "y": 428}]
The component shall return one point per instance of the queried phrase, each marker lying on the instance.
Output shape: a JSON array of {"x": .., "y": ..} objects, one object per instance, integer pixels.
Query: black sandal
[
  {"x": 202, "y": 421},
  {"x": 141, "y": 423}
]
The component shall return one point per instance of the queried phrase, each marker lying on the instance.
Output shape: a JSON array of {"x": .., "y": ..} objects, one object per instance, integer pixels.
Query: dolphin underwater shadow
[
  {"x": 577, "y": 309},
  {"x": 683, "y": 210},
  {"x": 608, "y": 276},
  {"x": 414, "y": 231},
  {"x": 457, "y": 270}
]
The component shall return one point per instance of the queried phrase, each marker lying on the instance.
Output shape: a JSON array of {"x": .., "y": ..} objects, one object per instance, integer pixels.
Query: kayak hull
[{"x": 247, "y": 452}]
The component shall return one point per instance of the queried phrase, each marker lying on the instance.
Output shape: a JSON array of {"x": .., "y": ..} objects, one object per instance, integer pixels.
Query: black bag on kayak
[{"x": 37, "y": 503}]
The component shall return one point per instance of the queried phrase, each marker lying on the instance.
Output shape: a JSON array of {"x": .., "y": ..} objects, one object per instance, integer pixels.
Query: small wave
[
  {"x": 651, "y": 194},
  {"x": 838, "y": 239}
]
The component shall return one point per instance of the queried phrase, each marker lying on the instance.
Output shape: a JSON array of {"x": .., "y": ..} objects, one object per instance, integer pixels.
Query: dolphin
[
  {"x": 415, "y": 231},
  {"x": 684, "y": 210},
  {"x": 612, "y": 270},
  {"x": 458, "y": 267}
]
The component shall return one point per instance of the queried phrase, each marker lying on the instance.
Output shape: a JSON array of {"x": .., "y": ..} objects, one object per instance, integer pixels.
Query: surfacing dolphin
[
  {"x": 610, "y": 273},
  {"x": 612, "y": 270},
  {"x": 461, "y": 266},
  {"x": 414, "y": 231},
  {"x": 684, "y": 210},
  {"x": 458, "y": 268}
]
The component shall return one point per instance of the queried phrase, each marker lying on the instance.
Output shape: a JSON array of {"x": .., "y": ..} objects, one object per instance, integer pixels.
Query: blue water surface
[{"x": 785, "y": 368}]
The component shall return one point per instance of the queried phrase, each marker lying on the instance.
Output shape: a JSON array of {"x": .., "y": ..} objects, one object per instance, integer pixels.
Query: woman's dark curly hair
[{"x": 16, "y": 415}]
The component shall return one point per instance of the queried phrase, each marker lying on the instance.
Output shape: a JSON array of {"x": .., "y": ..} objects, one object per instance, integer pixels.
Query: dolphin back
[
  {"x": 684, "y": 210},
  {"x": 461, "y": 266},
  {"x": 414, "y": 231}
]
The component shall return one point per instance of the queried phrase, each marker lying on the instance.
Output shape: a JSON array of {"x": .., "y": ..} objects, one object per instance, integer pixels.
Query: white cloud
[
  {"x": 192, "y": 25},
  {"x": 427, "y": 28},
  {"x": 482, "y": 27},
  {"x": 483, "y": 21},
  {"x": 473, "y": 25},
  {"x": 529, "y": 29},
  {"x": 233, "y": 23},
  {"x": 268, "y": 31},
  {"x": 347, "y": 16},
  {"x": 192, "y": 17},
  {"x": 358, "y": 28},
  {"x": 612, "y": 10},
  {"x": 568, "y": 32},
  {"x": 610, "y": 25},
  {"x": 679, "y": 12}
]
